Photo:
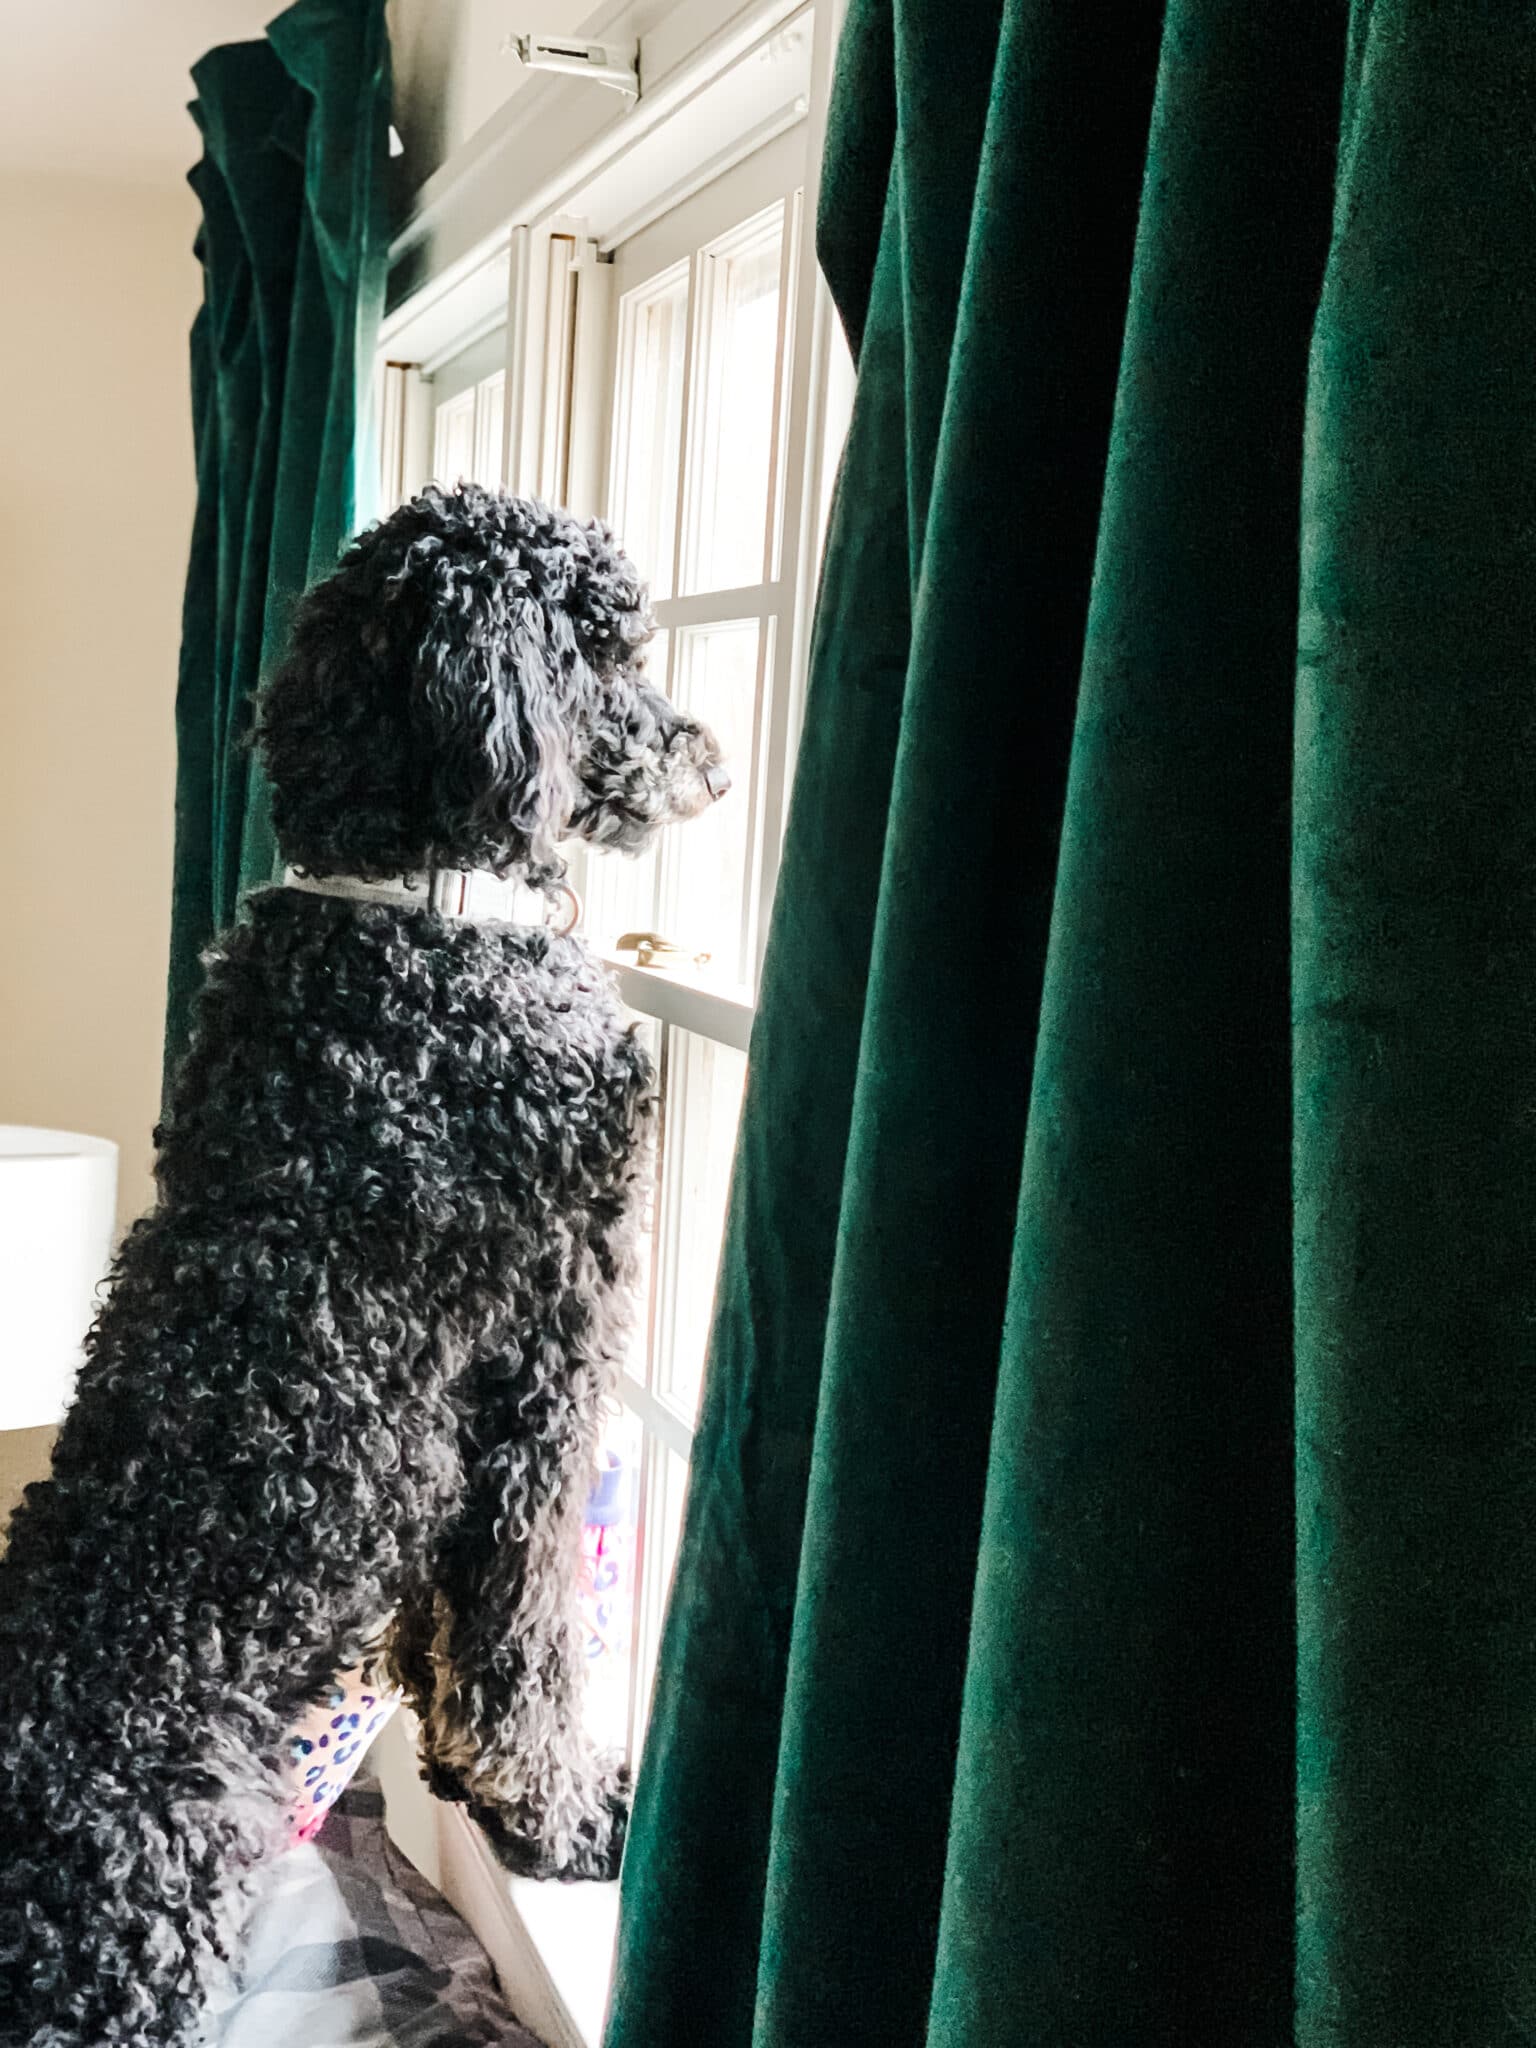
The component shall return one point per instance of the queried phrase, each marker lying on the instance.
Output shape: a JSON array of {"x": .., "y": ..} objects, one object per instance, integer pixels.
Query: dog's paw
[
  {"x": 445, "y": 1784},
  {"x": 593, "y": 1849}
]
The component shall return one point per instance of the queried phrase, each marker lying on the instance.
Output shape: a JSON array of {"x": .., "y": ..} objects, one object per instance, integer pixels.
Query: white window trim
[
  {"x": 542, "y": 1939},
  {"x": 687, "y": 242},
  {"x": 751, "y": 203},
  {"x": 687, "y": 1001},
  {"x": 479, "y": 247},
  {"x": 559, "y": 146}
]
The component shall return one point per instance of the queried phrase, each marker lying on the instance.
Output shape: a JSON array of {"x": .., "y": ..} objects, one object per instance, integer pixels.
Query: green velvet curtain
[
  {"x": 1106, "y": 1610},
  {"x": 293, "y": 247}
]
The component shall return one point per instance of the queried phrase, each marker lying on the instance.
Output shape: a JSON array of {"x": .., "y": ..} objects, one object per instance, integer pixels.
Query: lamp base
[{"x": 58, "y": 1209}]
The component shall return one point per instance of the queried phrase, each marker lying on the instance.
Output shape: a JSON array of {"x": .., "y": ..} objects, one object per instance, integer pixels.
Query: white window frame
[
  {"x": 706, "y": 225},
  {"x": 722, "y": 89},
  {"x": 728, "y": 213}
]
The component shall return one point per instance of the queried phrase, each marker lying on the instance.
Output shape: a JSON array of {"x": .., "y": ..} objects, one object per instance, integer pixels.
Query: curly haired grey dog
[{"x": 345, "y": 1387}]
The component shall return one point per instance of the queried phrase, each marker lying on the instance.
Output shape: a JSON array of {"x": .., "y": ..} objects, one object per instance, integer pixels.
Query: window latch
[{"x": 652, "y": 950}]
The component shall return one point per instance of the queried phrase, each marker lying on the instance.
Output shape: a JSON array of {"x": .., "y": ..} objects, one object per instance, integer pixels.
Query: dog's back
[{"x": 399, "y": 1147}]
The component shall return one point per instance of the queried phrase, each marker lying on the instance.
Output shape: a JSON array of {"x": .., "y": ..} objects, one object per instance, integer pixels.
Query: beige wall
[
  {"x": 96, "y": 494},
  {"x": 24, "y": 1455}
]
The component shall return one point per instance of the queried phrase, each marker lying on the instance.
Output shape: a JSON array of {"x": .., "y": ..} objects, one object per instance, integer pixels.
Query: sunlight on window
[
  {"x": 703, "y": 398},
  {"x": 705, "y": 1083},
  {"x": 467, "y": 434},
  {"x": 653, "y": 349},
  {"x": 705, "y": 872},
  {"x": 490, "y": 415},
  {"x": 666, "y": 1497},
  {"x": 734, "y": 443},
  {"x": 453, "y": 440},
  {"x": 621, "y": 888},
  {"x": 609, "y": 1551}
]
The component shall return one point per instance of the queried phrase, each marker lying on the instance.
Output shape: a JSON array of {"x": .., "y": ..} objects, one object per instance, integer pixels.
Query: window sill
[
  {"x": 551, "y": 1944},
  {"x": 715, "y": 1009}
]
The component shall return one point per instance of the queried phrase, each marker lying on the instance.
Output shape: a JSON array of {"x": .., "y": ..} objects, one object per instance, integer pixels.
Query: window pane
[
  {"x": 648, "y": 432},
  {"x": 490, "y": 412},
  {"x": 453, "y": 440},
  {"x": 706, "y": 864},
  {"x": 609, "y": 1547},
  {"x": 620, "y": 893},
  {"x": 666, "y": 1497},
  {"x": 732, "y": 445},
  {"x": 704, "y": 1083},
  {"x": 637, "y": 1364}
]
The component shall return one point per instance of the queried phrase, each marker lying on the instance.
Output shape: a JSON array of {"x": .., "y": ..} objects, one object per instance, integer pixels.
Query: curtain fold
[
  {"x": 293, "y": 247},
  {"x": 1105, "y": 1603}
]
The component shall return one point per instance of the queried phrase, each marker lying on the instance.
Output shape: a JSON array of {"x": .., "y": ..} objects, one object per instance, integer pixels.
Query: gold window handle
[{"x": 652, "y": 950}]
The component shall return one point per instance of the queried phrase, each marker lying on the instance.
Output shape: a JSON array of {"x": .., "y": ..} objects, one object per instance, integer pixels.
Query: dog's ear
[
  {"x": 606, "y": 601},
  {"x": 490, "y": 713}
]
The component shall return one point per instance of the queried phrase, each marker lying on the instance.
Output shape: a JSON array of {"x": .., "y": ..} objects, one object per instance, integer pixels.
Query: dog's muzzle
[{"x": 716, "y": 780}]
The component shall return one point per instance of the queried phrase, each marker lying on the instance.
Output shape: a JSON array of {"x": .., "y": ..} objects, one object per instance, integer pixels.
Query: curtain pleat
[
  {"x": 293, "y": 248},
  {"x": 1414, "y": 985},
  {"x": 1106, "y": 1608},
  {"x": 1130, "y": 1697}
]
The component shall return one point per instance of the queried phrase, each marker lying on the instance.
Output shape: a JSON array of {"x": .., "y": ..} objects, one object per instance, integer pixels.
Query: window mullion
[
  {"x": 779, "y": 450},
  {"x": 721, "y": 607},
  {"x": 695, "y": 353},
  {"x": 662, "y": 1421},
  {"x": 669, "y": 1225}
]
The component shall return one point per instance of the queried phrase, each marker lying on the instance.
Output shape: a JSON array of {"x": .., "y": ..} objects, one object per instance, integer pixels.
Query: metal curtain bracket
[{"x": 613, "y": 64}]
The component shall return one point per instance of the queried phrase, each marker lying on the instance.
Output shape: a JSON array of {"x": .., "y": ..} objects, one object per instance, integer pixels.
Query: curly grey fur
[{"x": 349, "y": 1371}]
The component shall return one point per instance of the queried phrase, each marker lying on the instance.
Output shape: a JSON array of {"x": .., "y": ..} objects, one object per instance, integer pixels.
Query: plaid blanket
[{"x": 349, "y": 1947}]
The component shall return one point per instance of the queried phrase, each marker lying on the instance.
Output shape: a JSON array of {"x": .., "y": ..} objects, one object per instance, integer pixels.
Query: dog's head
[{"x": 468, "y": 689}]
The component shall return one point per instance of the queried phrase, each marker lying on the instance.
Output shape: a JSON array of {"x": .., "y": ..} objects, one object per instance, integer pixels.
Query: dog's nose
[{"x": 716, "y": 780}]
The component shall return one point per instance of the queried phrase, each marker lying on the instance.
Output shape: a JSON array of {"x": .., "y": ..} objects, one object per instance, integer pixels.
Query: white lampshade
[{"x": 58, "y": 1201}]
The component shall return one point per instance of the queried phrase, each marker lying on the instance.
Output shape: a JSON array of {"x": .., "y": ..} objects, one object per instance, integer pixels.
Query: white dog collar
[{"x": 473, "y": 894}]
